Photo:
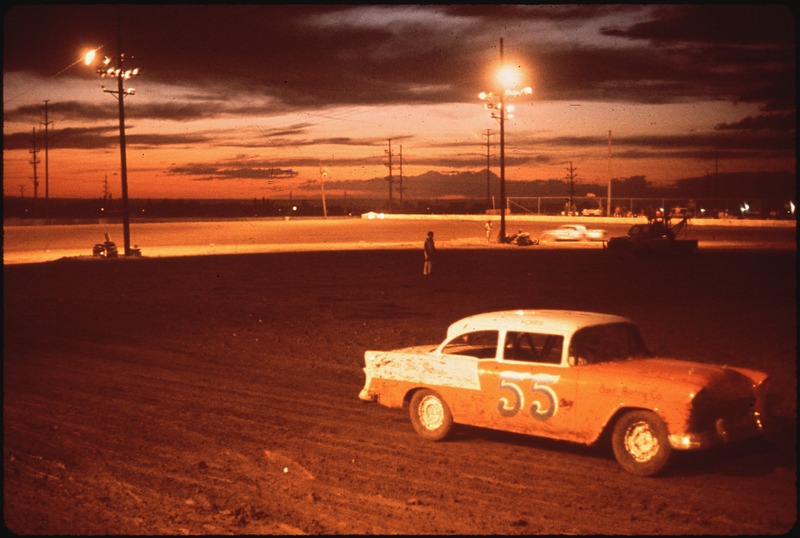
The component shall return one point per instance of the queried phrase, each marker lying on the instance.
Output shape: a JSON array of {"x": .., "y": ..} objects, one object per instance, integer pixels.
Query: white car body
[{"x": 574, "y": 232}]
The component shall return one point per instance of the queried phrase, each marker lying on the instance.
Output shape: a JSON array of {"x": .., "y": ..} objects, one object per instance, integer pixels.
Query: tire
[
  {"x": 640, "y": 443},
  {"x": 430, "y": 416}
]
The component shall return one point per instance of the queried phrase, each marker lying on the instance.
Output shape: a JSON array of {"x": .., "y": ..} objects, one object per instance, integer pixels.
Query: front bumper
[
  {"x": 724, "y": 432},
  {"x": 365, "y": 395}
]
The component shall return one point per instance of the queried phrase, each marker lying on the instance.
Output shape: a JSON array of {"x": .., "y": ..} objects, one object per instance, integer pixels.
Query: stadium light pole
[
  {"x": 121, "y": 74},
  {"x": 507, "y": 78}
]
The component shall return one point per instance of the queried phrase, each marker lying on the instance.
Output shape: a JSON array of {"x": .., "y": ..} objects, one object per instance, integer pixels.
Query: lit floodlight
[{"x": 90, "y": 56}]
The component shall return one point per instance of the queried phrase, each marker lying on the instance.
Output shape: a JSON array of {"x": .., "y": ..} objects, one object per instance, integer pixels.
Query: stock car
[
  {"x": 574, "y": 232},
  {"x": 570, "y": 376}
]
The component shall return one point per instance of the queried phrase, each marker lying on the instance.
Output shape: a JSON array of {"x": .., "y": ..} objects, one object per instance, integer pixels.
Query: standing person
[
  {"x": 488, "y": 229},
  {"x": 429, "y": 248}
]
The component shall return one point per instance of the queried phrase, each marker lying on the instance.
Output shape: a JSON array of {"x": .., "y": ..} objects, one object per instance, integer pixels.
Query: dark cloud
[
  {"x": 325, "y": 55},
  {"x": 776, "y": 122},
  {"x": 62, "y": 110},
  {"x": 67, "y": 138},
  {"x": 732, "y": 52},
  {"x": 239, "y": 167},
  {"x": 735, "y": 25}
]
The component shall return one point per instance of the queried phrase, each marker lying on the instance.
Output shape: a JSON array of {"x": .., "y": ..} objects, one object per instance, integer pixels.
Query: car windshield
[
  {"x": 480, "y": 344},
  {"x": 609, "y": 342}
]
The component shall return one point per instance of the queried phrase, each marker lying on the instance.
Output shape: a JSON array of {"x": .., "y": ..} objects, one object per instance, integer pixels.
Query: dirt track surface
[{"x": 217, "y": 395}]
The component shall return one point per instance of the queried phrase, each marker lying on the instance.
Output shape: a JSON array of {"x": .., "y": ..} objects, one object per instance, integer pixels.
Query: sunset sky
[{"x": 227, "y": 93}]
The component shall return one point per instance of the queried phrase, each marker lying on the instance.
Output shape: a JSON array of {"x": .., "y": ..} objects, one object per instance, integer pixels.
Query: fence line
[{"x": 634, "y": 206}]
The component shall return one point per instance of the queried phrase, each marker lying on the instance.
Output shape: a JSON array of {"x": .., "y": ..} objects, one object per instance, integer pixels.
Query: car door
[{"x": 527, "y": 389}]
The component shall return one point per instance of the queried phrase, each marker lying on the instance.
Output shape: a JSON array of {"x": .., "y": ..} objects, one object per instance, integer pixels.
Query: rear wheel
[
  {"x": 640, "y": 443},
  {"x": 430, "y": 416}
]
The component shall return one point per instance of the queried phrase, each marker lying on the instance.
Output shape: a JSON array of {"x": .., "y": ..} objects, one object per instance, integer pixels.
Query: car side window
[
  {"x": 533, "y": 347},
  {"x": 479, "y": 344},
  {"x": 603, "y": 343}
]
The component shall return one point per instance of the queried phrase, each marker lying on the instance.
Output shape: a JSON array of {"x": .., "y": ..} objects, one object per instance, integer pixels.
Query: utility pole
[
  {"x": 322, "y": 174},
  {"x": 488, "y": 171},
  {"x": 389, "y": 152},
  {"x": 106, "y": 192},
  {"x": 391, "y": 167},
  {"x": 502, "y": 233},
  {"x": 35, "y": 161},
  {"x": 571, "y": 177},
  {"x": 500, "y": 113},
  {"x": 400, "y": 187},
  {"x": 608, "y": 211},
  {"x": 46, "y": 161}
]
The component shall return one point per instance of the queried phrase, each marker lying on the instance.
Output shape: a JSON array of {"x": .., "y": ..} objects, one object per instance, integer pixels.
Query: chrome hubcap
[
  {"x": 641, "y": 442},
  {"x": 431, "y": 412}
]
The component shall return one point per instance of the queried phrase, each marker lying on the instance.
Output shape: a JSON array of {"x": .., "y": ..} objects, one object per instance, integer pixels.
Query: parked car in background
[
  {"x": 573, "y": 232},
  {"x": 592, "y": 212},
  {"x": 572, "y": 376}
]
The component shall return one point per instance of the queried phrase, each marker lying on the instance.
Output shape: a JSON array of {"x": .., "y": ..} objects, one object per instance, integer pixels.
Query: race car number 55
[{"x": 544, "y": 404}]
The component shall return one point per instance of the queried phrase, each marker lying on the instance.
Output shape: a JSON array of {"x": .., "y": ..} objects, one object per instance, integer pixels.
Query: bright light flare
[
  {"x": 90, "y": 56},
  {"x": 509, "y": 77}
]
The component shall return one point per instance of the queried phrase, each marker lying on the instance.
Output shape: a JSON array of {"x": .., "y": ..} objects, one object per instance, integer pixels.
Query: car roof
[{"x": 547, "y": 321}]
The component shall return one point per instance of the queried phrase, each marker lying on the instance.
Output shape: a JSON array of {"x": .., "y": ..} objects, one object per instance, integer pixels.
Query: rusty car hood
[{"x": 690, "y": 374}]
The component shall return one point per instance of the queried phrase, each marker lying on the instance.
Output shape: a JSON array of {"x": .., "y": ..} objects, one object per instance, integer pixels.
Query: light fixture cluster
[
  {"x": 494, "y": 105},
  {"x": 108, "y": 71}
]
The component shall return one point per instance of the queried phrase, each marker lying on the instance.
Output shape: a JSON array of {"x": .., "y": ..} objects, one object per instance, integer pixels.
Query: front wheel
[
  {"x": 640, "y": 443},
  {"x": 430, "y": 416}
]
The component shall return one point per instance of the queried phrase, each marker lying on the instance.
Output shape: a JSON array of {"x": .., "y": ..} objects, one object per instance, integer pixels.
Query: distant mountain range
[{"x": 471, "y": 185}]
